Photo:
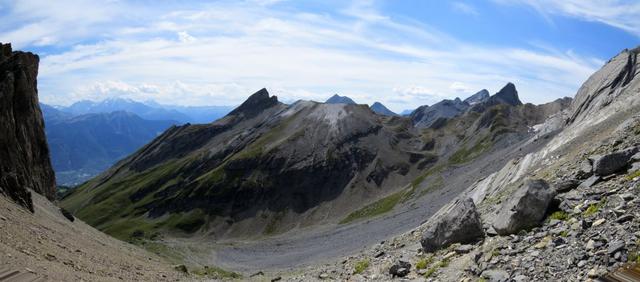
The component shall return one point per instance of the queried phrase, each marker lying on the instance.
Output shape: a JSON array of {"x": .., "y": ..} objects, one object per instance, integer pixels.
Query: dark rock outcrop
[
  {"x": 566, "y": 185},
  {"x": 400, "y": 269},
  {"x": 456, "y": 223},
  {"x": 614, "y": 162},
  {"x": 23, "y": 147},
  {"x": 526, "y": 208},
  {"x": 426, "y": 116},
  {"x": 255, "y": 104},
  {"x": 507, "y": 95}
]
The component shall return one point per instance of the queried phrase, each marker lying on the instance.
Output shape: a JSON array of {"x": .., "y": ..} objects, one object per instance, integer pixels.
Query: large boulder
[
  {"x": 458, "y": 222},
  {"x": 614, "y": 162},
  {"x": 526, "y": 208}
]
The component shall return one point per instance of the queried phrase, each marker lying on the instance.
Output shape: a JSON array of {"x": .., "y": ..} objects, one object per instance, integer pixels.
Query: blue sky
[{"x": 402, "y": 53}]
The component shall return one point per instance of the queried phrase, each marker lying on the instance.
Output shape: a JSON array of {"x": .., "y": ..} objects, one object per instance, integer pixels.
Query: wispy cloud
[
  {"x": 621, "y": 14},
  {"x": 219, "y": 53},
  {"x": 465, "y": 8}
]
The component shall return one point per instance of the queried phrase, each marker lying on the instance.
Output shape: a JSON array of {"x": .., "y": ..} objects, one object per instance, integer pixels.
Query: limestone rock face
[
  {"x": 24, "y": 153},
  {"x": 526, "y": 208},
  {"x": 457, "y": 223}
]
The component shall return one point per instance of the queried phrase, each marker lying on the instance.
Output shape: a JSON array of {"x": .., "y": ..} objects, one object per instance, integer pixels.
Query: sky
[{"x": 399, "y": 52}]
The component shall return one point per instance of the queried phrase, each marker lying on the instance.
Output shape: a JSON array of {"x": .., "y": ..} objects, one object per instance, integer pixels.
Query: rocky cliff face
[{"x": 23, "y": 147}]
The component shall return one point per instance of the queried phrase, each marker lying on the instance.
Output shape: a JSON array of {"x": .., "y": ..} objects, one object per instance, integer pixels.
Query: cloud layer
[{"x": 218, "y": 54}]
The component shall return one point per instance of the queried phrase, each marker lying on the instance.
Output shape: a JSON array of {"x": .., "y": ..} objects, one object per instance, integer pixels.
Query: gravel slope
[{"x": 51, "y": 247}]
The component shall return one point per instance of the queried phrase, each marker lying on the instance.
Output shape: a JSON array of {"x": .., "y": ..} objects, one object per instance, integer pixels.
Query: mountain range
[
  {"x": 486, "y": 188},
  {"x": 267, "y": 167},
  {"x": 149, "y": 110},
  {"x": 85, "y": 145}
]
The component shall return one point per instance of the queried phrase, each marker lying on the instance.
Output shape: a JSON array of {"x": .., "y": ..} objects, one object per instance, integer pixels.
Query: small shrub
[
  {"x": 443, "y": 263},
  {"x": 564, "y": 234},
  {"x": 594, "y": 208},
  {"x": 423, "y": 263},
  {"x": 559, "y": 215},
  {"x": 361, "y": 266},
  {"x": 431, "y": 271}
]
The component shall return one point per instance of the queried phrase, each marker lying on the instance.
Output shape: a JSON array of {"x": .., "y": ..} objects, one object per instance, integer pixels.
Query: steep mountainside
[
  {"x": 23, "y": 148},
  {"x": 566, "y": 211},
  {"x": 337, "y": 99},
  {"x": 84, "y": 146},
  {"x": 268, "y": 167},
  {"x": 264, "y": 163},
  {"x": 379, "y": 108},
  {"x": 479, "y": 97}
]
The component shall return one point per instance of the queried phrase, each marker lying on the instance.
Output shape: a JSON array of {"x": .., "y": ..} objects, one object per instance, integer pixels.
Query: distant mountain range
[
  {"x": 150, "y": 110},
  {"x": 380, "y": 109},
  {"x": 83, "y": 146}
]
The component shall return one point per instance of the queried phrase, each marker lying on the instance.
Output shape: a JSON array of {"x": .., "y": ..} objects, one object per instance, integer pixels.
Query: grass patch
[
  {"x": 429, "y": 172},
  {"x": 423, "y": 263},
  {"x": 272, "y": 226},
  {"x": 161, "y": 250},
  {"x": 376, "y": 208},
  {"x": 214, "y": 272},
  {"x": 633, "y": 175},
  {"x": 594, "y": 208},
  {"x": 361, "y": 266},
  {"x": 464, "y": 154},
  {"x": 559, "y": 215},
  {"x": 430, "y": 272},
  {"x": 564, "y": 234},
  {"x": 441, "y": 264}
]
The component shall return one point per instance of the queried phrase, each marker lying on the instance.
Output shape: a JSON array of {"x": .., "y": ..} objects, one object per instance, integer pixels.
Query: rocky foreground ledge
[{"x": 582, "y": 226}]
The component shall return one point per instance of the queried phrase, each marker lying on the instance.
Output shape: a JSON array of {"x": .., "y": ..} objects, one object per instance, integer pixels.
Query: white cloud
[
  {"x": 621, "y": 14},
  {"x": 236, "y": 48},
  {"x": 460, "y": 87},
  {"x": 185, "y": 37},
  {"x": 465, "y": 8}
]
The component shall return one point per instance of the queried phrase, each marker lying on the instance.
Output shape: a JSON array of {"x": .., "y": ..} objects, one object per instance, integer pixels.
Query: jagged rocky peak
[
  {"x": 479, "y": 97},
  {"x": 507, "y": 95},
  {"x": 23, "y": 148},
  {"x": 337, "y": 99},
  {"x": 425, "y": 116},
  {"x": 255, "y": 104}
]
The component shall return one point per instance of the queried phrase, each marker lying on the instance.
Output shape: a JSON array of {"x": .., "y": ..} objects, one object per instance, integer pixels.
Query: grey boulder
[
  {"x": 526, "y": 208},
  {"x": 458, "y": 222},
  {"x": 400, "y": 269},
  {"x": 566, "y": 185},
  {"x": 614, "y": 162},
  {"x": 585, "y": 171}
]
